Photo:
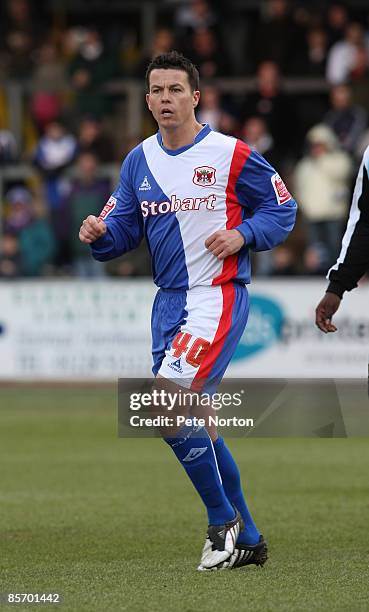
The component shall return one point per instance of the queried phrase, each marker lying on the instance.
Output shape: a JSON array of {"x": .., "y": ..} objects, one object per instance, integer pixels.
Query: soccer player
[
  {"x": 353, "y": 260},
  {"x": 203, "y": 201}
]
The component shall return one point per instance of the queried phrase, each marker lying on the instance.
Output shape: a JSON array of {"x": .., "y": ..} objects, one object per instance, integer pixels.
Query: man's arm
[
  {"x": 119, "y": 227},
  {"x": 269, "y": 209},
  {"x": 353, "y": 261}
]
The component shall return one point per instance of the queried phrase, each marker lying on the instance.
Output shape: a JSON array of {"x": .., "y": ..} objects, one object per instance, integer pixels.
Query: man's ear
[
  {"x": 148, "y": 101},
  {"x": 196, "y": 98}
]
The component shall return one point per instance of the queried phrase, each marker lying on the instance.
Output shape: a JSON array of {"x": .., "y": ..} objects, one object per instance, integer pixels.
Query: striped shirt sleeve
[{"x": 353, "y": 260}]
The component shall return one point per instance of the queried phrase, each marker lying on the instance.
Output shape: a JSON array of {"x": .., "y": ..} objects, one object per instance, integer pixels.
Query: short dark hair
[{"x": 176, "y": 61}]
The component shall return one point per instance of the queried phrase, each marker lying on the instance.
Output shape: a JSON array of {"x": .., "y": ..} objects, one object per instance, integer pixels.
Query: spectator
[
  {"x": 205, "y": 53},
  {"x": 346, "y": 56},
  {"x": 276, "y": 35},
  {"x": 18, "y": 215},
  {"x": 92, "y": 139},
  {"x": 362, "y": 144},
  {"x": 48, "y": 82},
  {"x": 347, "y": 120},
  {"x": 36, "y": 241},
  {"x": 89, "y": 70},
  {"x": 19, "y": 35},
  {"x": 283, "y": 261},
  {"x": 8, "y": 148},
  {"x": 37, "y": 247},
  {"x": 269, "y": 103},
  {"x": 55, "y": 151},
  {"x": 195, "y": 15},
  {"x": 336, "y": 22},
  {"x": 87, "y": 195},
  {"x": 359, "y": 78},
  {"x": 257, "y": 136},
  {"x": 322, "y": 180},
  {"x": 316, "y": 259},
  {"x": 9, "y": 256},
  {"x": 210, "y": 110},
  {"x": 162, "y": 42},
  {"x": 228, "y": 124},
  {"x": 312, "y": 60}
]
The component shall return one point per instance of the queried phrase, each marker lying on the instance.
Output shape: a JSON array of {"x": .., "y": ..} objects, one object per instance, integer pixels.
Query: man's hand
[
  {"x": 325, "y": 310},
  {"x": 224, "y": 243},
  {"x": 92, "y": 228}
]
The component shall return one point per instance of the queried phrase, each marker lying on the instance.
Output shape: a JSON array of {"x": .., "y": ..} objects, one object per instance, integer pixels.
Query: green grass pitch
[{"x": 113, "y": 524}]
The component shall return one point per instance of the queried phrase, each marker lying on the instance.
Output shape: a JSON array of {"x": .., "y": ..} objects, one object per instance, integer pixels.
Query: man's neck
[{"x": 180, "y": 137}]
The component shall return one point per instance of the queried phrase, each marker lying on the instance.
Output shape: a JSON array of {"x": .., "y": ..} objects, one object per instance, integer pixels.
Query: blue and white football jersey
[{"x": 178, "y": 198}]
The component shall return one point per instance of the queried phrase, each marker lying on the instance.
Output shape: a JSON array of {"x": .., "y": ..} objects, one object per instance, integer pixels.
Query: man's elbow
[
  {"x": 276, "y": 234},
  {"x": 101, "y": 256}
]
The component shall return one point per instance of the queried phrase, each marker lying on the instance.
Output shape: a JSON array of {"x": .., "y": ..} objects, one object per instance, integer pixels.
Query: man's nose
[{"x": 165, "y": 95}]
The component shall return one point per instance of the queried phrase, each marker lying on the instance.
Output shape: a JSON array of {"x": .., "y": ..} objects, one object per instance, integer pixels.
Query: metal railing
[{"x": 133, "y": 91}]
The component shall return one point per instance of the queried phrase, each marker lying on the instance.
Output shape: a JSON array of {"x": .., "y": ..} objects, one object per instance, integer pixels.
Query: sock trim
[{"x": 216, "y": 461}]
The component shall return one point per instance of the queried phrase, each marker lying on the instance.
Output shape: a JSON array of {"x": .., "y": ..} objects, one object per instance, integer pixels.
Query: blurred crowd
[{"x": 299, "y": 95}]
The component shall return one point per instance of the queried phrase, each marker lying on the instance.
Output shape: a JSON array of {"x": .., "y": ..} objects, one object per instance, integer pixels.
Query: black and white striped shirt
[{"x": 353, "y": 260}]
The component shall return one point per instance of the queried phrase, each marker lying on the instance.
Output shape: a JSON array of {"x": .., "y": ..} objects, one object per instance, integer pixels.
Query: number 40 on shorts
[{"x": 194, "y": 349}]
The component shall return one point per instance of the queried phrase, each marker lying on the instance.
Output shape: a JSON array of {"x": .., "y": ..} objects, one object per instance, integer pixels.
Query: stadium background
[{"x": 291, "y": 79}]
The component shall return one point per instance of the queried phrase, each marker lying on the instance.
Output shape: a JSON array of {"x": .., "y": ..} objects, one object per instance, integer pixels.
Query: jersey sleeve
[
  {"x": 269, "y": 209},
  {"x": 353, "y": 261},
  {"x": 123, "y": 219}
]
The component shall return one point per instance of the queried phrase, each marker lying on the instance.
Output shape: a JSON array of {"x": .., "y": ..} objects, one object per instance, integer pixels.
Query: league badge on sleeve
[
  {"x": 204, "y": 176},
  {"x": 280, "y": 189},
  {"x": 109, "y": 206}
]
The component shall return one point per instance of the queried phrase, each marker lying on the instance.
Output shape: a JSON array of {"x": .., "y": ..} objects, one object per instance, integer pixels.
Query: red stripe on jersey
[
  {"x": 234, "y": 213},
  {"x": 225, "y": 323}
]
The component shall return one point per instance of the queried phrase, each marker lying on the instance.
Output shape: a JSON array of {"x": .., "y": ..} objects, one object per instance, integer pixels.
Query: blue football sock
[
  {"x": 194, "y": 449},
  {"x": 232, "y": 486}
]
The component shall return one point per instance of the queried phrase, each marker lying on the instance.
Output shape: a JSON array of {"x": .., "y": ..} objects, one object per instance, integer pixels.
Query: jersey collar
[{"x": 200, "y": 136}]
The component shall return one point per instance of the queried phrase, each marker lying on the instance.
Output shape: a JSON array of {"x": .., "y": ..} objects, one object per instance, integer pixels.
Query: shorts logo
[
  {"x": 109, "y": 206},
  {"x": 145, "y": 185},
  {"x": 204, "y": 176},
  {"x": 195, "y": 453},
  {"x": 176, "y": 366},
  {"x": 280, "y": 189}
]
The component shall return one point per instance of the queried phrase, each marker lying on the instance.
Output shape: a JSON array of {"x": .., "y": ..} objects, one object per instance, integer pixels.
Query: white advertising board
[
  {"x": 73, "y": 330},
  {"x": 65, "y": 330}
]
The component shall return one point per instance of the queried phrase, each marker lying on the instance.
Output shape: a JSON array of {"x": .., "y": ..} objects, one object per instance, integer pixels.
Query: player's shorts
[{"x": 195, "y": 332}]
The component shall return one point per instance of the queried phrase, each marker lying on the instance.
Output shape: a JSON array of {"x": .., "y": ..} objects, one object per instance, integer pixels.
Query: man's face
[{"x": 170, "y": 98}]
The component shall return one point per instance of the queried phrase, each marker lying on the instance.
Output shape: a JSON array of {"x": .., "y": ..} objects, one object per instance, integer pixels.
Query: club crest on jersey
[
  {"x": 280, "y": 189},
  {"x": 109, "y": 206},
  {"x": 204, "y": 176}
]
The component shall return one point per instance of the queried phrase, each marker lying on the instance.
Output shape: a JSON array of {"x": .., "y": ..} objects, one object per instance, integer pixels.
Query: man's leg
[
  {"x": 230, "y": 476},
  {"x": 213, "y": 321},
  {"x": 193, "y": 447},
  {"x": 251, "y": 548},
  {"x": 232, "y": 486}
]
